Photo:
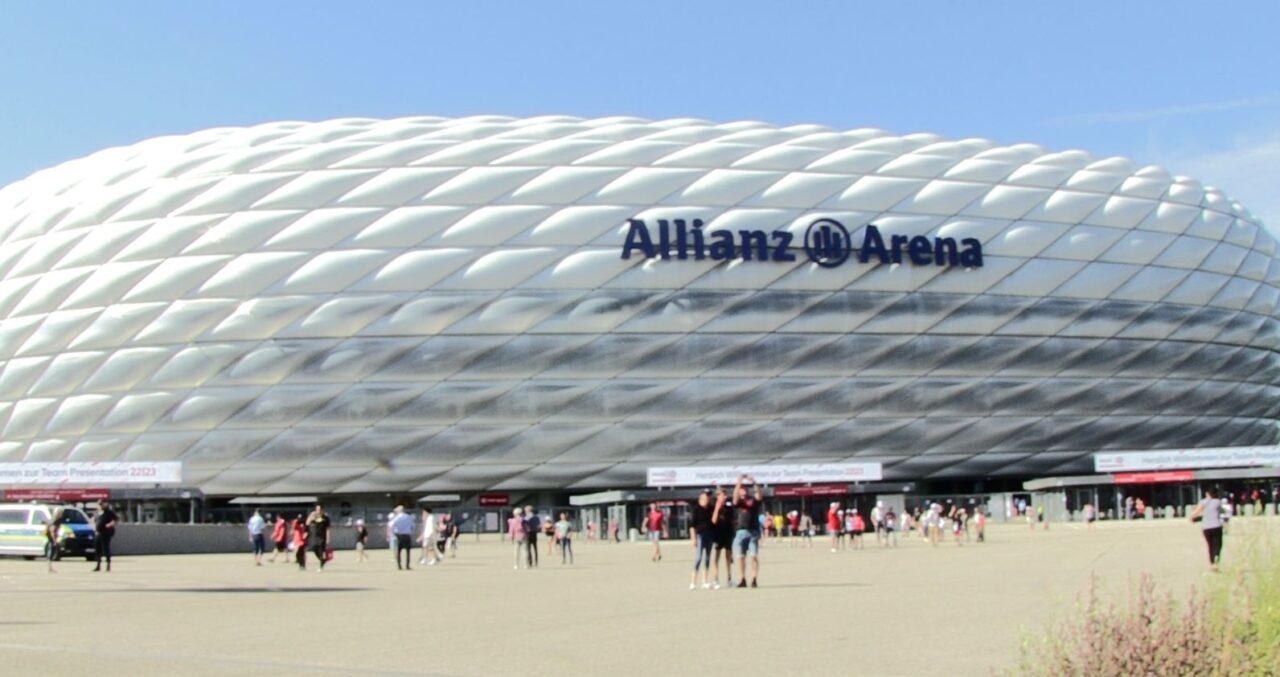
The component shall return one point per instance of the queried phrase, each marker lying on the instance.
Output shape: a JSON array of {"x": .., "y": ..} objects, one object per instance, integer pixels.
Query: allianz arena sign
[{"x": 826, "y": 242}]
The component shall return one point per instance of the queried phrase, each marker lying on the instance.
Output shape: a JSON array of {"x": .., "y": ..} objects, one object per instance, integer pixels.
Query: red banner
[
  {"x": 1154, "y": 477},
  {"x": 495, "y": 500},
  {"x": 799, "y": 491},
  {"x": 57, "y": 494}
]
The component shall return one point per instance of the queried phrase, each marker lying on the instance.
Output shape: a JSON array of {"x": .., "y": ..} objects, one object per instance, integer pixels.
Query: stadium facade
[{"x": 363, "y": 306}]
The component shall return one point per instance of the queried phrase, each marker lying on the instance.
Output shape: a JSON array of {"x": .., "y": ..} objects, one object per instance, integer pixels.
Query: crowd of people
[{"x": 725, "y": 530}]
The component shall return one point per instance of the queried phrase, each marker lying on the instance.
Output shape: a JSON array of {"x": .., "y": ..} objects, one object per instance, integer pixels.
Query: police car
[{"x": 22, "y": 527}]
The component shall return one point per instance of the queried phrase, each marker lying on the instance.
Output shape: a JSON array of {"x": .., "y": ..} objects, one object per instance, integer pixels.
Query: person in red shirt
[
  {"x": 280, "y": 538},
  {"x": 300, "y": 541},
  {"x": 793, "y": 526},
  {"x": 656, "y": 527},
  {"x": 833, "y": 525}
]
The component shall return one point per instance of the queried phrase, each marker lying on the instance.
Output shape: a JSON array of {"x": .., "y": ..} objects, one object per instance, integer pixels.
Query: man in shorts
[
  {"x": 746, "y": 539},
  {"x": 655, "y": 524}
]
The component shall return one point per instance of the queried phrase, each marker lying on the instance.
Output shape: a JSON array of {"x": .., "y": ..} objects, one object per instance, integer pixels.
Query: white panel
[
  {"x": 408, "y": 226},
  {"x": 242, "y": 231},
  {"x": 419, "y": 269},
  {"x": 1150, "y": 284},
  {"x": 1007, "y": 202},
  {"x": 1084, "y": 243},
  {"x": 724, "y": 187},
  {"x": 1138, "y": 246},
  {"x": 1097, "y": 280},
  {"x": 323, "y": 228},
  {"x": 249, "y": 274},
  {"x": 943, "y": 197},
  {"x": 1122, "y": 212},
  {"x": 575, "y": 225},
  {"x": 1185, "y": 252},
  {"x": 1066, "y": 206},
  {"x": 502, "y": 269},
  {"x": 396, "y": 186},
  {"x": 875, "y": 193},
  {"x": 479, "y": 185},
  {"x": 329, "y": 272},
  {"x": 586, "y": 269},
  {"x": 1024, "y": 239},
  {"x": 1197, "y": 289},
  {"x": 564, "y": 185},
  {"x": 800, "y": 190},
  {"x": 1037, "y": 277},
  {"x": 644, "y": 185},
  {"x": 488, "y": 226}
]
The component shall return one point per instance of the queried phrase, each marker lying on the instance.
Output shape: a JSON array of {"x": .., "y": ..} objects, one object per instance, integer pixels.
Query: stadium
[{"x": 363, "y": 307}]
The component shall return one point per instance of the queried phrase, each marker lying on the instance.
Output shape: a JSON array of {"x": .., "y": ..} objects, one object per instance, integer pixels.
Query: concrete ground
[{"x": 913, "y": 610}]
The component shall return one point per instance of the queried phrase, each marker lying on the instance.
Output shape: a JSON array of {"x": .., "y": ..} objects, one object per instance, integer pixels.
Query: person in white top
[
  {"x": 256, "y": 526},
  {"x": 429, "y": 556},
  {"x": 401, "y": 527}
]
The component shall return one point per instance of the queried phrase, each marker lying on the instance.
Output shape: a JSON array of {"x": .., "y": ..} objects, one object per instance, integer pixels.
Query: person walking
[
  {"x": 362, "y": 541},
  {"x": 700, "y": 532},
  {"x": 722, "y": 534},
  {"x": 655, "y": 524},
  {"x": 515, "y": 529},
  {"x": 104, "y": 529},
  {"x": 280, "y": 539},
  {"x": 891, "y": 528},
  {"x": 532, "y": 525},
  {"x": 53, "y": 538},
  {"x": 549, "y": 532},
  {"x": 429, "y": 531},
  {"x": 442, "y": 537},
  {"x": 257, "y": 538},
  {"x": 401, "y": 527},
  {"x": 564, "y": 537},
  {"x": 835, "y": 527},
  {"x": 454, "y": 531},
  {"x": 746, "y": 539},
  {"x": 318, "y": 532},
  {"x": 1089, "y": 516},
  {"x": 859, "y": 527},
  {"x": 806, "y": 529},
  {"x": 613, "y": 530},
  {"x": 980, "y": 524},
  {"x": 300, "y": 542},
  {"x": 1210, "y": 515}
]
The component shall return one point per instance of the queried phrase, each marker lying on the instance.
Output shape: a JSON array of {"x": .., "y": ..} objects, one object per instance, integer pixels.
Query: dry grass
[{"x": 1228, "y": 626}]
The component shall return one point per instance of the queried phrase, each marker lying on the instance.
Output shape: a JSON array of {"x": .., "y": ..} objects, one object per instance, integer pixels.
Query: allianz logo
[{"x": 826, "y": 242}]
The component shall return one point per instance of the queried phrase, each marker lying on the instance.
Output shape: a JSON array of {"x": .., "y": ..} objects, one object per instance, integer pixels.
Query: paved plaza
[{"x": 914, "y": 610}]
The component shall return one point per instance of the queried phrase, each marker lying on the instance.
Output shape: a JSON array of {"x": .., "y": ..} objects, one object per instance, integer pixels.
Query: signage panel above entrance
[{"x": 707, "y": 476}]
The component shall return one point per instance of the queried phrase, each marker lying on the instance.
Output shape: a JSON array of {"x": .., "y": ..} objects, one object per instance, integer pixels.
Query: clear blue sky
[{"x": 1191, "y": 85}]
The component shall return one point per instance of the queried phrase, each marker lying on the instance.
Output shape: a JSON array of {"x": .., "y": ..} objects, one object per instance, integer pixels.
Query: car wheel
[
  {"x": 29, "y": 558},
  {"x": 90, "y": 558}
]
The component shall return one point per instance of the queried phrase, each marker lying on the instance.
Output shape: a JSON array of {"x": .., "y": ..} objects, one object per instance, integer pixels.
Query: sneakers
[
  {"x": 716, "y": 585},
  {"x": 706, "y": 586},
  {"x": 742, "y": 583},
  {"x": 753, "y": 583},
  {"x": 692, "y": 586}
]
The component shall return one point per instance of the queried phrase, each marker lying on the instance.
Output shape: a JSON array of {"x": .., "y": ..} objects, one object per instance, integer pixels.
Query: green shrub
[{"x": 1228, "y": 627}]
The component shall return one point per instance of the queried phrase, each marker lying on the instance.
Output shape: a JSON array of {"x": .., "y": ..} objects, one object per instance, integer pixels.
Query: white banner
[
  {"x": 95, "y": 474},
  {"x": 727, "y": 475},
  {"x": 1220, "y": 457}
]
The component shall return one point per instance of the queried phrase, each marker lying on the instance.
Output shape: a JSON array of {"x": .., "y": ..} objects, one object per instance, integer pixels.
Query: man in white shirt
[
  {"x": 402, "y": 530},
  {"x": 429, "y": 556},
  {"x": 256, "y": 526}
]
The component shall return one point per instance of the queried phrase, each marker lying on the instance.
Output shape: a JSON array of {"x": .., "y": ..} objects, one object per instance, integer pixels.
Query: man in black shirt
[
  {"x": 722, "y": 529},
  {"x": 746, "y": 520},
  {"x": 703, "y": 538},
  {"x": 104, "y": 529},
  {"x": 318, "y": 534}
]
